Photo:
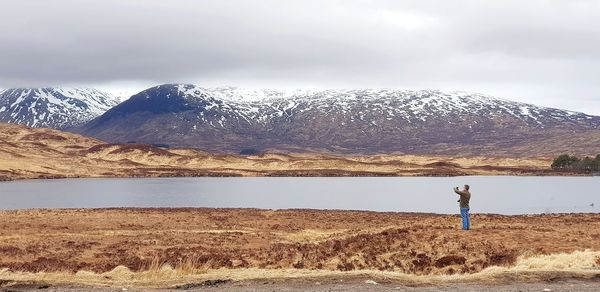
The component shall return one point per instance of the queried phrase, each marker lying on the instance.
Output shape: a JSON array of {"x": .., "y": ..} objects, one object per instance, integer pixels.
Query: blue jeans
[{"x": 466, "y": 221}]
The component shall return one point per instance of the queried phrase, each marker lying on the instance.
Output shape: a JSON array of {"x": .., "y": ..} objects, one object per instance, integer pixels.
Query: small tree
[
  {"x": 596, "y": 163},
  {"x": 585, "y": 163},
  {"x": 564, "y": 162}
]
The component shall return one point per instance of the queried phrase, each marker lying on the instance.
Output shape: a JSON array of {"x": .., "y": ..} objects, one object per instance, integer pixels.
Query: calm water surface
[{"x": 491, "y": 194}]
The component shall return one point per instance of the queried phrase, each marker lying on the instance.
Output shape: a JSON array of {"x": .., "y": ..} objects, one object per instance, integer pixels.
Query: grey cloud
[{"x": 542, "y": 52}]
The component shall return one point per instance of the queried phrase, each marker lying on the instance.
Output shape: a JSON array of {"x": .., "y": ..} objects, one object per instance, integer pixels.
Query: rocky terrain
[
  {"x": 344, "y": 122},
  {"x": 46, "y": 153},
  {"x": 199, "y": 248},
  {"x": 59, "y": 108}
]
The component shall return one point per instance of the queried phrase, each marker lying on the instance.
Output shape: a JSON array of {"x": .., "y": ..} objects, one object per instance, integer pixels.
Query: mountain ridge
[
  {"x": 229, "y": 119},
  {"x": 54, "y": 107}
]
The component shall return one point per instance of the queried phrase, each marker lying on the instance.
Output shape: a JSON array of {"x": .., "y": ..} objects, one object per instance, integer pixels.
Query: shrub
[
  {"x": 249, "y": 151},
  {"x": 566, "y": 162}
]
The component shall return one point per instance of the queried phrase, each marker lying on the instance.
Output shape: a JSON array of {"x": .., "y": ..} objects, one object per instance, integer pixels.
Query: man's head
[{"x": 467, "y": 187}]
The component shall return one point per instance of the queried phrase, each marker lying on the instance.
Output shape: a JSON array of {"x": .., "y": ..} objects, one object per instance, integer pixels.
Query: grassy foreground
[
  {"x": 169, "y": 247},
  {"x": 581, "y": 265}
]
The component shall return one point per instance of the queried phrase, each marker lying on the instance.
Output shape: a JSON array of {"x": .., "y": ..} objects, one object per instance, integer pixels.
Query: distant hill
[
  {"x": 59, "y": 108},
  {"x": 48, "y": 153},
  {"x": 342, "y": 121}
]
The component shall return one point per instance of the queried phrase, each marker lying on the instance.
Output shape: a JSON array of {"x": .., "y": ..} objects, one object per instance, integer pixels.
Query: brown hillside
[{"x": 45, "y": 153}]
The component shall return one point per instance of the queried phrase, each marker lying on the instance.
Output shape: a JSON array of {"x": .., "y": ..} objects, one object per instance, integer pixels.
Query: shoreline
[
  {"x": 317, "y": 210},
  {"x": 313, "y": 174}
]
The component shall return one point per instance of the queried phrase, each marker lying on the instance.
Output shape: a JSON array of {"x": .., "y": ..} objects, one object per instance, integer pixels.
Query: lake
[{"x": 491, "y": 194}]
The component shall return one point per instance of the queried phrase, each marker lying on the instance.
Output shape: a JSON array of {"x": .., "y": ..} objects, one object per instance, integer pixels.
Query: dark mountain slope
[{"x": 342, "y": 121}]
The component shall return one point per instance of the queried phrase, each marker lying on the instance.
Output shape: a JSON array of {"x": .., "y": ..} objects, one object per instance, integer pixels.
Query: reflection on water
[{"x": 491, "y": 194}]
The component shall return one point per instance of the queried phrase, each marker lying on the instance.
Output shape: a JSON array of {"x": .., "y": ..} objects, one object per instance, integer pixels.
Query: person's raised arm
[
  {"x": 458, "y": 192},
  {"x": 461, "y": 193}
]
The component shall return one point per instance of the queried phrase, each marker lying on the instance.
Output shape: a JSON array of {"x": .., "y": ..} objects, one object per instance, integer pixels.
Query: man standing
[{"x": 465, "y": 197}]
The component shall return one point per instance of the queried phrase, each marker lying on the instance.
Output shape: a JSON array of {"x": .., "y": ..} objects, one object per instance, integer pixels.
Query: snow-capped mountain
[
  {"x": 345, "y": 121},
  {"x": 60, "y": 108}
]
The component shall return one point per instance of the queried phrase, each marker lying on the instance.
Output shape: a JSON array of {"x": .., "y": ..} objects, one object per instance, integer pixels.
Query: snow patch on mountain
[
  {"x": 261, "y": 106},
  {"x": 53, "y": 107},
  {"x": 340, "y": 120}
]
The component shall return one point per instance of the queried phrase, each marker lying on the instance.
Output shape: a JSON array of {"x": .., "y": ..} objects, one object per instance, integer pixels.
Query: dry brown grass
[
  {"x": 98, "y": 240},
  {"x": 578, "y": 264}
]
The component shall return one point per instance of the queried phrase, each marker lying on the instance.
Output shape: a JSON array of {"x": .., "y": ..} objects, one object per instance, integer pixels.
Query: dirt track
[
  {"x": 422, "y": 244},
  {"x": 320, "y": 285}
]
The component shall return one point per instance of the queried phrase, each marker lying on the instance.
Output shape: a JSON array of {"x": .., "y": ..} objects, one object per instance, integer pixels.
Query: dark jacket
[{"x": 465, "y": 197}]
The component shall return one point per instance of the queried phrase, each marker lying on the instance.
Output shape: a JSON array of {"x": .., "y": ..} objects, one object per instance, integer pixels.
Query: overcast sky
[{"x": 543, "y": 52}]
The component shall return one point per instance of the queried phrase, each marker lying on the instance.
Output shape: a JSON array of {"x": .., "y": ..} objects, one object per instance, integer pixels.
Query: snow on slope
[
  {"x": 53, "y": 107},
  {"x": 412, "y": 106},
  {"x": 349, "y": 121}
]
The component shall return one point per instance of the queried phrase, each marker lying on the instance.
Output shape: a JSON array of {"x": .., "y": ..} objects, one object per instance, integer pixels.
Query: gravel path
[{"x": 337, "y": 285}]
